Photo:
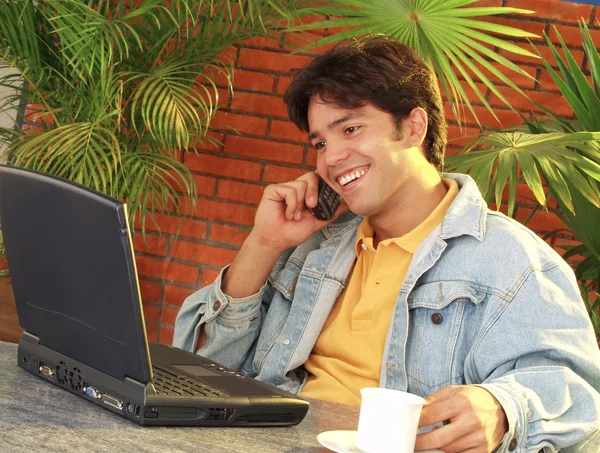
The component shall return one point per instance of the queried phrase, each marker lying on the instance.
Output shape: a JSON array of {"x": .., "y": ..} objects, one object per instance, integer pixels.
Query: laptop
[{"x": 73, "y": 273}]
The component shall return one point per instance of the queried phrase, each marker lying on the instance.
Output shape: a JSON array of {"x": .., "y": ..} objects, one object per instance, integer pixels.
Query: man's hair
[{"x": 376, "y": 70}]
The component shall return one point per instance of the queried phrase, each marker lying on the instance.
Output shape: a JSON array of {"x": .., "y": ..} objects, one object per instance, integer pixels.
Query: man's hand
[
  {"x": 283, "y": 219},
  {"x": 477, "y": 420}
]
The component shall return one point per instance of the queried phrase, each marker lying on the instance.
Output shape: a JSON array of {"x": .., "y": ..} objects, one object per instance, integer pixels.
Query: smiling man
[{"x": 413, "y": 285}]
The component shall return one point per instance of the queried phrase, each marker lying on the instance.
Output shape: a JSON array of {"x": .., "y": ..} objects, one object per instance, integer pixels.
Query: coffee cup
[{"x": 388, "y": 420}]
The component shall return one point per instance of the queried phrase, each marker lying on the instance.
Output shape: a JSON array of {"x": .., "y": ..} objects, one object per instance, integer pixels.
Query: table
[{"x": 36, "y": 416}]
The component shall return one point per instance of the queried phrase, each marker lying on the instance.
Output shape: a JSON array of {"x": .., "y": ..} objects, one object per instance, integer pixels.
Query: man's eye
[
  {"x": 319, "y": 145},
  {"x": 351, "y": 129}
]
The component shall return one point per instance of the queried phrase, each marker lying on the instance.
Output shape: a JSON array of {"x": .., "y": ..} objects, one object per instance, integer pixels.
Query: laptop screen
[{"x": 72, "y": 269}]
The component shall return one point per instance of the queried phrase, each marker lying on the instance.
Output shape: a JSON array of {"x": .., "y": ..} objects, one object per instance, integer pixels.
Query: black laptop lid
[{"x": 73, "y": 272}]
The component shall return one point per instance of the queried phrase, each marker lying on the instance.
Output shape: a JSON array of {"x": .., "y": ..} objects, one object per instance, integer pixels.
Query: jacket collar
[{"x": 467, "y": 213}]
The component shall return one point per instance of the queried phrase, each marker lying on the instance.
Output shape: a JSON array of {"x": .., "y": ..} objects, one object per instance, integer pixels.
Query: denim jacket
[{"x": 512, "y": 321}]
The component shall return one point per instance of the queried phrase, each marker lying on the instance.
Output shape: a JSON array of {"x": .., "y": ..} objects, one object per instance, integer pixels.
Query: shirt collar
[{"x": 411, "y": 240}]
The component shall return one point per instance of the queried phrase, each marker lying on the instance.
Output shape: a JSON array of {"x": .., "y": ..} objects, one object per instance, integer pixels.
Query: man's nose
[{"x": 335, "y": 153}]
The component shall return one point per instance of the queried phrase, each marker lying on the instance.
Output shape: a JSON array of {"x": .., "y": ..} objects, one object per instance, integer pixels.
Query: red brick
[
  {"x": 277, "y": 174},
  {"x": 282, "y": 83},
  {"x": 264, "y": 149},
  {"x": 174, "y": 224},
  {"x": 461, "y": 137},
  {"x": 540, "y": 221},
  {"x": 555, "y": 10},
  {"x": 554, "y": 102},
  {"x": 520, "y": 22},
  {"x": 518, "y": 79},
  {"x": 255, "y": 81},
  {"x": 260, "y": 103},
  {"x": 571, "y": 35},
  {"x": 154, "y": 245},
  {"x": 299, "y": 40},
  {"x": 311, "y": 157},
  {"x": 202, "y": 253},
  {"x": 561, "y": 245},
  {"x": 310, "y": 20},
  {"x": 166, "y": 335},
  {"x": 215, "y": 145},
  {"x": 209, "y": 276},
  {"x": 507, "y": 117},
  {"x": 175, "y": 295},
  {"x": 152, "y": 333},
  {"x": 524, "y": 195},
  {"x": 547, "y": 82},
  {"x": 287, "y": 130},
  {"x": 224, "y": 212},
  {"x": 221, "y": 166},
  {"x": 205, "y": 185},
  {"x": 151, "y": 313},
  {"x": 228, "y": 234},
  {"x": 262, "y": 41},
  {"x": 234, "y": 122},
  {"x": 164, "y": 269},
  {"x": 546, "y": 54},
  {"x": 242, "y": 192},
  {"x": 470, "y": 92},
  {"x": 266, "y": 60},
  {"x": 168, "y": 315},
  {"x": 494, "y": 3}
]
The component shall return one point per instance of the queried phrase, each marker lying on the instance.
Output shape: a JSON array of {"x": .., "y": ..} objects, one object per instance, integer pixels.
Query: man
[{"x": 416, "y": 287}]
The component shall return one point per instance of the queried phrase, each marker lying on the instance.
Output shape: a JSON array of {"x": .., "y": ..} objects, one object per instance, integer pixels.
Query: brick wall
[{"x": 267, "y": 148}]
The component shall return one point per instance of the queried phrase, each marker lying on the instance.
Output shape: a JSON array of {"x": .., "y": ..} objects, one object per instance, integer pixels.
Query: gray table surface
[{"x": 36, "y": 416}]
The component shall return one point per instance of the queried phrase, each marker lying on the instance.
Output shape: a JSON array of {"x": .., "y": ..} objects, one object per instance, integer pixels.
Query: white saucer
[{"x": 345, "y": 442}]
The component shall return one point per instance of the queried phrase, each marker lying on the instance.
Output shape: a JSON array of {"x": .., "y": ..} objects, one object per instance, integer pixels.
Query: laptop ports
[
  {"x": 112, "y": 401},
  {"x": 47, "y": 371},
  {"x": 91, "y": 392}
]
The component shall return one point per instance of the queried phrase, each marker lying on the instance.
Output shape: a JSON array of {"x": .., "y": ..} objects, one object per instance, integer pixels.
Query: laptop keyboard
[{"x": 167, "y": 383}]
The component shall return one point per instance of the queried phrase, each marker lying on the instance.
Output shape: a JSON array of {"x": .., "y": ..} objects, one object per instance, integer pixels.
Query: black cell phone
[{"x": 327, "y": 201}]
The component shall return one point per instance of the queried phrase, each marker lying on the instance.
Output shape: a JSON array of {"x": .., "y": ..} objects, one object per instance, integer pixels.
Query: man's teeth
[{"x": 351, "y": 177}]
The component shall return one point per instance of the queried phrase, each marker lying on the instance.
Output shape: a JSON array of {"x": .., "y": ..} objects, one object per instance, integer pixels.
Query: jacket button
[
  {"x": 216, "y": 305},
  {"x": 437, "y": 318},
  {"x": 513, "y": 444}
]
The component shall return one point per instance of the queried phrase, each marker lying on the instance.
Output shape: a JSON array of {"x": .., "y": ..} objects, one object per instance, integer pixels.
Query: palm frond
[
  {"x": 442, "y": 32},
  {"x": 551, "y": 155}
]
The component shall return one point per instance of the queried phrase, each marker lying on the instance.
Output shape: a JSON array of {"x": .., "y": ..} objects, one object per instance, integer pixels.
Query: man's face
[{"x": 363, "y": 156}]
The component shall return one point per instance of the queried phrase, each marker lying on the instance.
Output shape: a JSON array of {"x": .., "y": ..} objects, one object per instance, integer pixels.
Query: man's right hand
[{"x": 283, "y": 218}]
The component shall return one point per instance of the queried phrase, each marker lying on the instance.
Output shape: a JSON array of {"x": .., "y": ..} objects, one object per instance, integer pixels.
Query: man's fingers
[
  {"x": 443, "y": 394},
  {"x": 440, "y": 437},
  {"x": 441, "y": 406},
  {"x": 471, "y": 442},
  {"x": 292, "y": 193},
  {"x": 311, "y": 194},
  {"x": 283, "y": 193}
]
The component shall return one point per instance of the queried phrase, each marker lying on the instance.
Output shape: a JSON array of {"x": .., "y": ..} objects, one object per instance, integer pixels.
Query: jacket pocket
[{"x": 443, "y": 318}]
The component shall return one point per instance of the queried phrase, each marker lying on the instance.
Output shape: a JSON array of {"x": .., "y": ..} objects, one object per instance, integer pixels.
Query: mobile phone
[{"x": 327, "y": 201}]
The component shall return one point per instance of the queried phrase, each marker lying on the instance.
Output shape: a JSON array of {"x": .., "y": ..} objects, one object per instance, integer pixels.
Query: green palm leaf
[
  {"x": 442, "y": 32},
  {"x": 119, "y": 86},
  {"x": 551, "y": 155}
]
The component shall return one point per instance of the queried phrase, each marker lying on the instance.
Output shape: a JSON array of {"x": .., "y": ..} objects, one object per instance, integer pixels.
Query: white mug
[{"x": 388, "y": 421}]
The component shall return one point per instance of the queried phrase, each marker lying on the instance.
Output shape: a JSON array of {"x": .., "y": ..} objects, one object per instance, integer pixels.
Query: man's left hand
[{"x": 477, "y": 420}]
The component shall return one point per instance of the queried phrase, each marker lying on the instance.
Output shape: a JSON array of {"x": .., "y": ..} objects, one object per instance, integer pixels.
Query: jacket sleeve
[
  {"x": 231, "y": 325},
  {"x": 539, "y": 357}
]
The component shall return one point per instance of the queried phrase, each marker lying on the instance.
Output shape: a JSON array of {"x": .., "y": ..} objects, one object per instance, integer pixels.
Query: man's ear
[{"x": 416, "y": 126}]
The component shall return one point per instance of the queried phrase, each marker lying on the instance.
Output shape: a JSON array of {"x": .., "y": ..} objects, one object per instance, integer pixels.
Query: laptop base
[{"x": 140, "y": 403}]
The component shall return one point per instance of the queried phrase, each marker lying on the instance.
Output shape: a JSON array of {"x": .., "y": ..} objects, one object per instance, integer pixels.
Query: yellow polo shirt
[{"x": 347, "y": 355}]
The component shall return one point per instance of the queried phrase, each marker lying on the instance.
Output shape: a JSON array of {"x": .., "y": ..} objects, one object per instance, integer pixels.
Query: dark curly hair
[{"x": 375, "y": 70}]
